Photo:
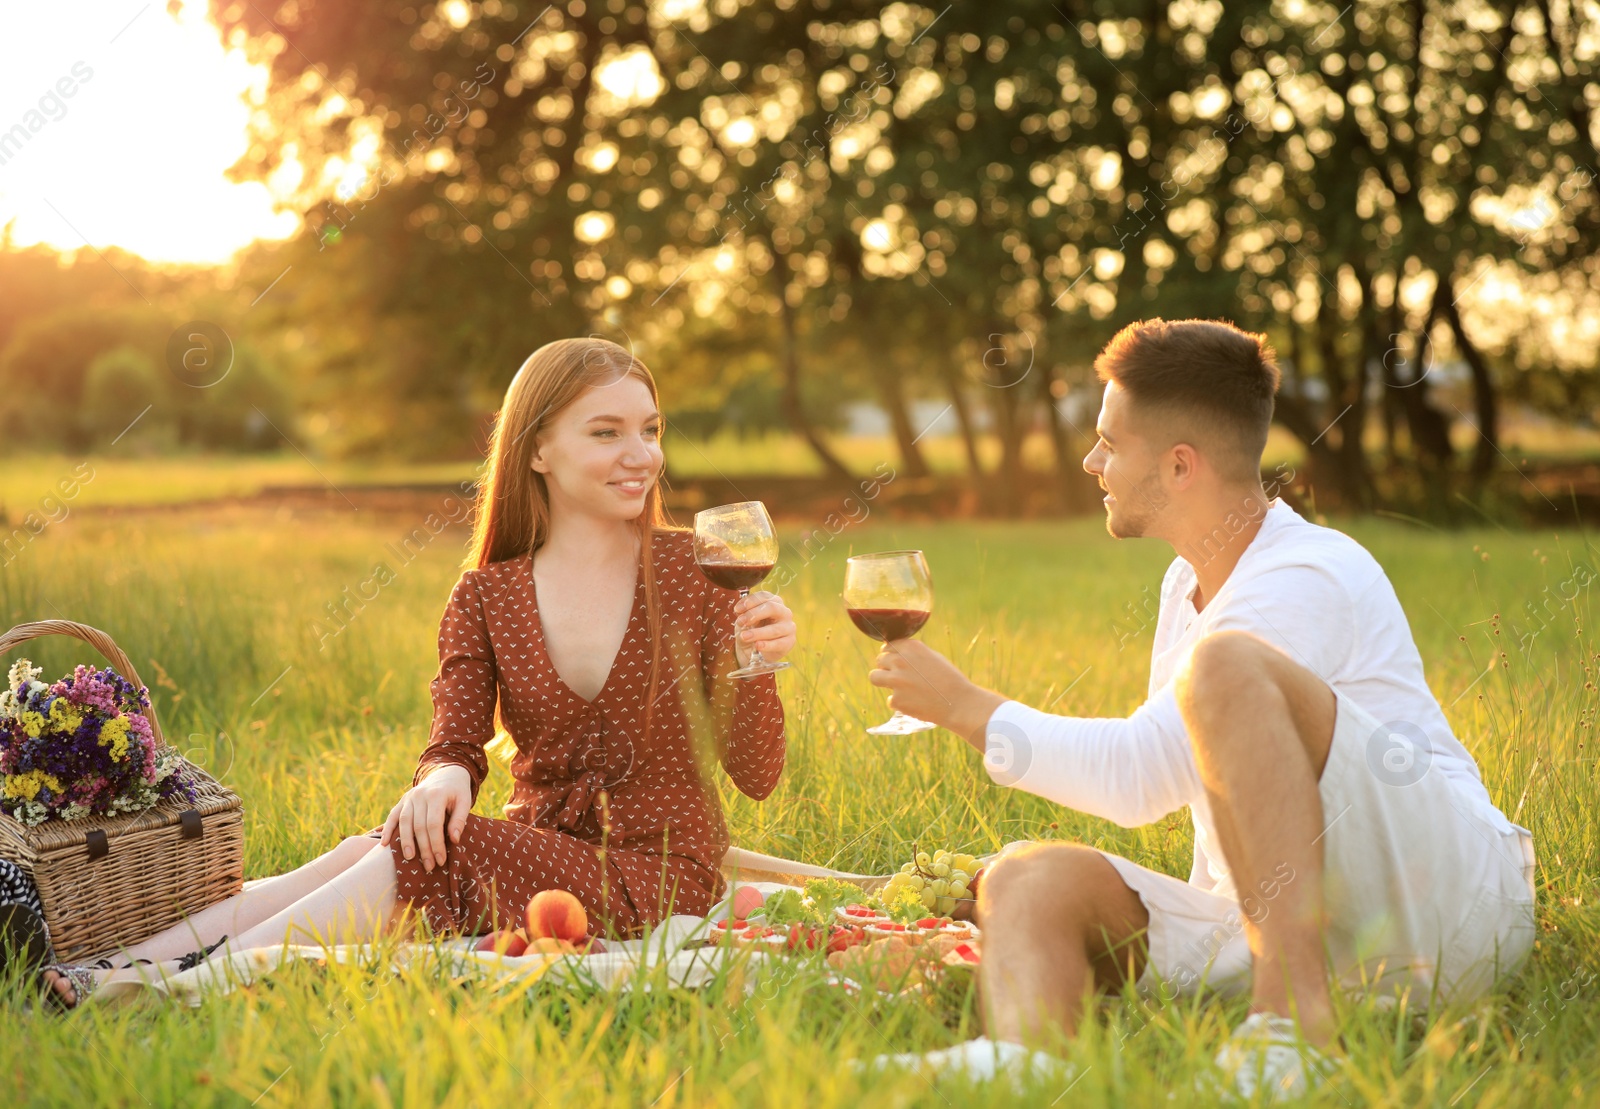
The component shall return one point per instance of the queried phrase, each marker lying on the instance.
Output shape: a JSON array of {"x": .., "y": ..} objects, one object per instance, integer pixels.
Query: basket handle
[{"x": 95, "y": 638}]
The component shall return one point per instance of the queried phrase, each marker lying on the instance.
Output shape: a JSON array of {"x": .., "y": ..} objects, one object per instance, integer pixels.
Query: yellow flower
[
  {"x": 64, "y": 715},
  {"x": 32, "y": 723},
  {"x": 27, "y": 785},
  {"x": 115, "y": 733}
]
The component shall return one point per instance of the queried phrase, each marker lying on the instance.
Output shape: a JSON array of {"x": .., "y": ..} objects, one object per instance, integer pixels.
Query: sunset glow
[{"x": 116, "y": 128}]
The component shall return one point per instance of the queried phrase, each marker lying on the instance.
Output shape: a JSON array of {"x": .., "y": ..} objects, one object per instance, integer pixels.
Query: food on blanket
[
  {"x": 805, "y": 937},
  {"x": 758, "y": 937},
  {"x": 827, "y": 894},
  {"x": 815, "y": 906},
  {"x": 963, "y": 953},
  {"x": 945, "y": 926},
  {"x": 907, "y": 934},
  {"x": 556, "y": 914},
  {"x": 549, "y": 945},
  {"x": 934, "y": 882},
  {"x": 784, "y": 907},
  {"x": 884, "y": 965},
  {"x": 745, "y": 900},
  {"x": 846, "y": 936},
  {"x": 732, "y": 925},
  {"x": 977, "y": 875},
  {"x": 859, "y": 915},
  {"x": 509, "y": 944}
]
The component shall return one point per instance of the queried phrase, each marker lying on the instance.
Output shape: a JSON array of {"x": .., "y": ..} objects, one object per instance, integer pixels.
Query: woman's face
[{"x": 601, "y": 453}]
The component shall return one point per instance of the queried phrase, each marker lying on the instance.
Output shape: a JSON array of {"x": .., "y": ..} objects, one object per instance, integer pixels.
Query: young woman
[{"x": 585, "y": 631}]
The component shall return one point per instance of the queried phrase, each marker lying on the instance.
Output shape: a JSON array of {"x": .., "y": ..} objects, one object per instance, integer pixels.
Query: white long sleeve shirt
[{"x": 1313, "y": 592}]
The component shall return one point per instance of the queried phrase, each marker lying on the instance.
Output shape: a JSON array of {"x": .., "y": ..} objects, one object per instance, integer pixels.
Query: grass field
[
  {"x": 26, "y": 480},
  {"x": 216, "y": 610}
]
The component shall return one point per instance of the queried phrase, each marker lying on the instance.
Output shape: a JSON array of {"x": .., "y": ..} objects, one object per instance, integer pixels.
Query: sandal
[
  {"x": 195, "y": 958},
  {"x": 24, "y": 939},
  {"x": 187, "y": 962},
  {"x": 85, "y": 981}
]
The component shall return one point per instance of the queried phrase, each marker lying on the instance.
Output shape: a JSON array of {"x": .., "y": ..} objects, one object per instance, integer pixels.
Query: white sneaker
[
  {"x": 1267, "y": 1054},
  {"x": 979, "y": 1060}
]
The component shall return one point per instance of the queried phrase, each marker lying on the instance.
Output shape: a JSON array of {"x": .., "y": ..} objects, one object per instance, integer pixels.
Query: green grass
[{"x": 215, "y": 610}]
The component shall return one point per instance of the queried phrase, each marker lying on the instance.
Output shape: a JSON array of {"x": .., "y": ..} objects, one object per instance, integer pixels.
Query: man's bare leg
[
  {"x": 249, "y": 908},
  {"x": 1056, "y": 919},
  {"x": 356, "y": 906},
  {"x": 1261, "y": 726}
]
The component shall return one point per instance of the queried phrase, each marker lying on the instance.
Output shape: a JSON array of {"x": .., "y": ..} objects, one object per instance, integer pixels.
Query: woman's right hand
[{"x": 418, "y": 820}]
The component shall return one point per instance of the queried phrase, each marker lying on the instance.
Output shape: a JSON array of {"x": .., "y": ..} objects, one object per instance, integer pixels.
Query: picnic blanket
[{"x": 673, "y": 948}]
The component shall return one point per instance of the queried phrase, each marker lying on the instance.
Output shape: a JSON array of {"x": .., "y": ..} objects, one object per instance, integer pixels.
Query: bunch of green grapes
[{"x": 938, "y": 881}]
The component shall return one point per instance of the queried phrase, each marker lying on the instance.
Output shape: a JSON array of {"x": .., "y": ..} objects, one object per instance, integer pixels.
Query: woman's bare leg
[
  {"x": 356, "y": 906},
  {"x": 244, "y": 911}
]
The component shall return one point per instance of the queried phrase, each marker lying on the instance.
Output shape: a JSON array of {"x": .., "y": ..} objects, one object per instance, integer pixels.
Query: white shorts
[{"x": 1424, "y": 896}]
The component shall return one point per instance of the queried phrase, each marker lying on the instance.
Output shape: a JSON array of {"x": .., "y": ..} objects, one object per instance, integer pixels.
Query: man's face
[{"x": 1127, "y": 468}]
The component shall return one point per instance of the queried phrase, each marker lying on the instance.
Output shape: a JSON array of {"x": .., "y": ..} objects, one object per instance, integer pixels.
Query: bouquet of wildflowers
[{"x": 83, "y": 746}]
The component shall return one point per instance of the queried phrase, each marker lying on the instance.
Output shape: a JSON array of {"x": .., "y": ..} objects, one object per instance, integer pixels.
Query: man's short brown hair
[{"x": 1206, "y": 382}]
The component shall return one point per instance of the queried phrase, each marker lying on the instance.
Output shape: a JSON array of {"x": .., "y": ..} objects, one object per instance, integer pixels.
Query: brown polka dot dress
[{"x": 617, "y": 810}]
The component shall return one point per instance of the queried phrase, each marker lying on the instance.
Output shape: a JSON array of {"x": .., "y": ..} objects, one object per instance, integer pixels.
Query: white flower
[
  {"x": 8, "y": 704},
  {"x": 22, "y": 672}
]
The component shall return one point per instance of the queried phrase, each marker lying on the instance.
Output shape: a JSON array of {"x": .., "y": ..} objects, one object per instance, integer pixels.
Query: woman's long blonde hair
[{"x": 512, "y": 515}]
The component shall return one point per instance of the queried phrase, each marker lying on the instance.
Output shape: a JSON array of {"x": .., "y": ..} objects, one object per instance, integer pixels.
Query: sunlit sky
[{"x": 135, "y": 156}]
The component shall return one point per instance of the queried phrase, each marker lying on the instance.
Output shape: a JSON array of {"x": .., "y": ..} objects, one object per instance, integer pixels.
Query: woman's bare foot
[
  {"x": 69, "y": 994},
  {"x": 64, "y": 987}
]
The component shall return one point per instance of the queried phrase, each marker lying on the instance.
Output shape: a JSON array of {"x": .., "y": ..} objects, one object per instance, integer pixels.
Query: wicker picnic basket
[{"x": 111, "y": 881}]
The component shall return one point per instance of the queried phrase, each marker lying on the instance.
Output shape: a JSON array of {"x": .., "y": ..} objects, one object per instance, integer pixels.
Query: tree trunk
[
  {"x": 1347, "y": 406},
  {"x": 1067, "y": 466},
  {"x": 793, "y": 408},
  {"x": 1004, "y": 404},
  {"x": 1486, "y": 402},
  {"x": 1004, "y": 380},
  {"x": 892, "y": 394},
  {"x": 958, "y": 400}
]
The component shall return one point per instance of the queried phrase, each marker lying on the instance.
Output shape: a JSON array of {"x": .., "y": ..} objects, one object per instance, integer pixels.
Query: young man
[{"x": 1339, "y": 826}]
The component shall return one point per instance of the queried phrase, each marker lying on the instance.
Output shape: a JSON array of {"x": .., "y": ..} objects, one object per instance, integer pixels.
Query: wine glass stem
[{"x": 755, "y": 652}]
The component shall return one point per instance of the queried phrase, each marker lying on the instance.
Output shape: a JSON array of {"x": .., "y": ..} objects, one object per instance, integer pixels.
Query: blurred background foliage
[{"x": 790, "y": 207}]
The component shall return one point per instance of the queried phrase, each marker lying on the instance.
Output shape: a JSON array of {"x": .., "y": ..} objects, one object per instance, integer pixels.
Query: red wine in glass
[
  {"x": 736, "y": 575},
  {"x": 889, "y": 623},
  {"x": 889, "y": 596},
  {"x": 736, "y": 549}
]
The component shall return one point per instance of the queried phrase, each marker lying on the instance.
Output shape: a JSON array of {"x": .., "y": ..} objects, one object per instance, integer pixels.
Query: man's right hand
[
  {"x": 435, "y": 805},
  {"x": 923, "y": 683}
]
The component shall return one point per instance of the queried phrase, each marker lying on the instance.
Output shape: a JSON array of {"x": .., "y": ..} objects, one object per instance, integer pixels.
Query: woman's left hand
[{"x": 762, "y": 622}]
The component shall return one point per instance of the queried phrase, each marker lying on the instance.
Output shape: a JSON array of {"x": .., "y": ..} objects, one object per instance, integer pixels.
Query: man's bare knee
[
  {"x": 1219, "y": 665},
  {"x": 1069, "y": 882},
  {"x": 1233, "y": 672}
]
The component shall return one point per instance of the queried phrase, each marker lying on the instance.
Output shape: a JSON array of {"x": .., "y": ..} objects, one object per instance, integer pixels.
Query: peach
[
  {"x": 556, "y": 914},
  {"x": 745, "y": 900},
  {"x": 508, "y": 944},
  {"x": 549, "y": 945}
]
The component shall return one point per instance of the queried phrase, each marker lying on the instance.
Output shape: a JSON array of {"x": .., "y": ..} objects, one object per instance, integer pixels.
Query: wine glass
[
  {"x": 890, "y": 596},
  {"x": 736, "y": 549}
]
